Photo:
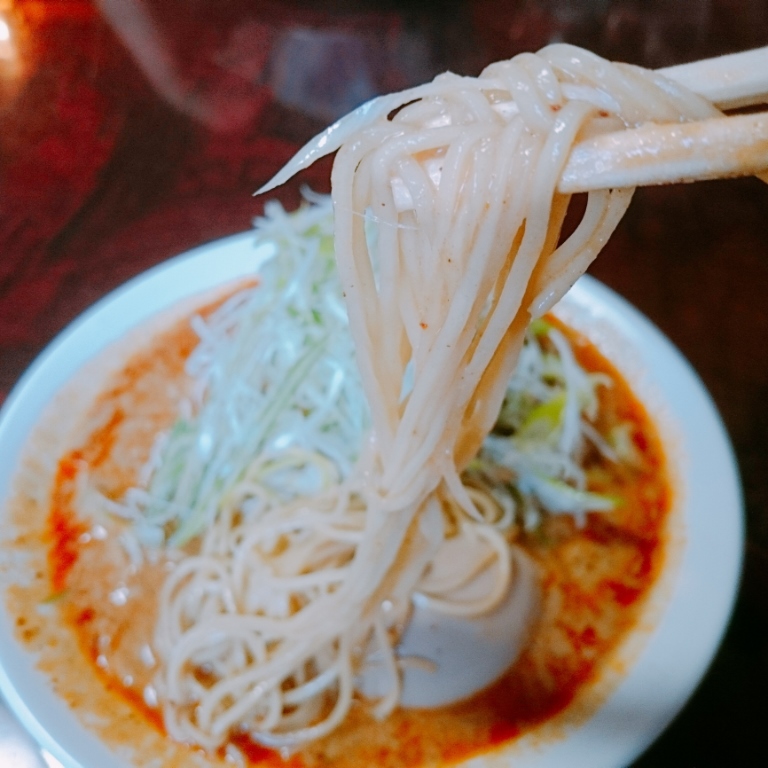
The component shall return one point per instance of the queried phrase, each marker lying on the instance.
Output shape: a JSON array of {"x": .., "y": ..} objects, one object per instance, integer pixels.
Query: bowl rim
[{"x": 699, "y": 593}]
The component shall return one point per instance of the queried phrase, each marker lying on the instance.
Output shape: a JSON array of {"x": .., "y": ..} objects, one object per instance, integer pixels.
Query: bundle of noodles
[{"x": 447, "y": 228}]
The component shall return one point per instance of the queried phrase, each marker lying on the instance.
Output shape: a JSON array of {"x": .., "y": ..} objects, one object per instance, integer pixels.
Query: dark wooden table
[{"x": 131, "y": 130}]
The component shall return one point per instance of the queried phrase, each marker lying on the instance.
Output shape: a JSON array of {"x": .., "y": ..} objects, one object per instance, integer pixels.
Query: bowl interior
[{"x": 684, "y": 620}]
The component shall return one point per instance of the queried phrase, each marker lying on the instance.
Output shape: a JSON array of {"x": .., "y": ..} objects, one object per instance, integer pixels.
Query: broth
[{"x": 596, "y": 577}]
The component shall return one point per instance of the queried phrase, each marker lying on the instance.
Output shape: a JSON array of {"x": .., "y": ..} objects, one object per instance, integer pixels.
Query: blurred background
[{"x": 131, "y": 130}]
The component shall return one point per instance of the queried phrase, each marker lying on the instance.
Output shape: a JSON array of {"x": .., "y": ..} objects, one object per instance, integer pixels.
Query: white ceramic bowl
[{"x": 687, "y": 613}]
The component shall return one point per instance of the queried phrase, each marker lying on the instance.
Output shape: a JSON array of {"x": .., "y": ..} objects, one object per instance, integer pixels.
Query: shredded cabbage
[
  {"x": 274, "y": 371},
  {"x": 544, "y": 426}
]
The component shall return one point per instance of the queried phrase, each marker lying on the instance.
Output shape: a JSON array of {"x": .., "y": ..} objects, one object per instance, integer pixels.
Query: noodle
[{"x": 447, "y": 226}]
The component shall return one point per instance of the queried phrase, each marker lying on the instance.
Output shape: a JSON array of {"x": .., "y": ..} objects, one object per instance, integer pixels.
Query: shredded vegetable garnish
[
  {"x": 543, "y": 430},
  {"x": 274, "y": 374},
  {"x": 277, "y": 403}
]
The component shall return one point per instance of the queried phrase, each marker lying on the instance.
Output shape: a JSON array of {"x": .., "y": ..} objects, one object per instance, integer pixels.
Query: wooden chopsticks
[
  {"x": 735, "y": 80},
  {"x": 683, "y": 152},
  {"x": 669, "y": 154}
]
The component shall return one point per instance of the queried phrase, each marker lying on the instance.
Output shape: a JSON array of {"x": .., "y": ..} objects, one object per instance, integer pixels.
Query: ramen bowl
[{"x": 651, "y": 675}]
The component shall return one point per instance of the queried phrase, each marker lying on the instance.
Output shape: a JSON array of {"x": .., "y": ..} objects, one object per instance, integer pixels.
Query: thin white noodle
[{"x": 446, "y": 235}]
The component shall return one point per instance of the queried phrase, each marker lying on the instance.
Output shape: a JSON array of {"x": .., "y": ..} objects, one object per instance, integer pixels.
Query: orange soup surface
[{"x": 596, "y": 577}]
